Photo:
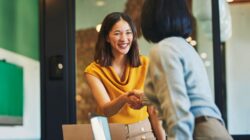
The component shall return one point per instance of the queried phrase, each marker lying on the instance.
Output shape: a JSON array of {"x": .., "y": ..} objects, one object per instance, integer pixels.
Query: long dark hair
[
  {"x": 103, "y": 50},
  {"x": 165, "y": 18}
]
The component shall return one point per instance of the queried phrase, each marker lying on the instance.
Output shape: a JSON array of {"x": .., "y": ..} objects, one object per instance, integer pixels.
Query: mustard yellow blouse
[{"x": 134, "y": 79}]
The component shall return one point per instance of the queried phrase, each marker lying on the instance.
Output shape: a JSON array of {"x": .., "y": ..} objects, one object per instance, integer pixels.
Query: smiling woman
[
  {"x": 118, "y": 69},
  {"x": 109, "y": 56},
  {"x": 86, "y": 37}
]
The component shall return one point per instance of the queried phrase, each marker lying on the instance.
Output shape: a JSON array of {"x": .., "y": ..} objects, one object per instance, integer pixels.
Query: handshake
[{"x": 136, "y": 99}]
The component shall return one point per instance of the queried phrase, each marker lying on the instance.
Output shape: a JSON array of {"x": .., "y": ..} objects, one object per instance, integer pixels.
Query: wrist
[{"x": 124, "y": 98}]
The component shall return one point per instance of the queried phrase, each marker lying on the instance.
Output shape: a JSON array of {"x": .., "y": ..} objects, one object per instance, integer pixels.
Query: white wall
[
  {"x": 31, "y": 127},
  {"x": 238, "y": 70}
]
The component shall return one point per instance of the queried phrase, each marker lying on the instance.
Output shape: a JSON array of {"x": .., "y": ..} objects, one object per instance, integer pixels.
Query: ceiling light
[
  {"x": 193, "y": 42},
  {"x": 203, "y": 55},
  {"x": 100, "y": 3},
  {"x": 98, "y": 27},
  {"x": 189, "y": 39}
]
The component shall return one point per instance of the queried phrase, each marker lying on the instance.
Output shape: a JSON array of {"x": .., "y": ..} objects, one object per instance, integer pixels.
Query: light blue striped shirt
[{"x": 178, "y": 85}]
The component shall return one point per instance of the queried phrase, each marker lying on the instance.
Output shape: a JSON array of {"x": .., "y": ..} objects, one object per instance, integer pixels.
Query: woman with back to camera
[
  {"x": 177, "y": 80},
  {"x": 118, "y": 69}
]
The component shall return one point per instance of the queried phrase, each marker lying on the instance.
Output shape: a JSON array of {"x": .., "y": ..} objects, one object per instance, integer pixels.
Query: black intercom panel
[{"x": 56, "y": 67}]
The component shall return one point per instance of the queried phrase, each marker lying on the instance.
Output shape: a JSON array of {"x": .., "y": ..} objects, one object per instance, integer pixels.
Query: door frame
[{"x": 57, "y": 45}]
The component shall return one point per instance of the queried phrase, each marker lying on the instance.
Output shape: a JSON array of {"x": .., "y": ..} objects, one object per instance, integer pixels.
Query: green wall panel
[{"x": 19, "y": 27}]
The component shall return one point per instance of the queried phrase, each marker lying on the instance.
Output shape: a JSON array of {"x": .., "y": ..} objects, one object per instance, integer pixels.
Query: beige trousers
[
  {"x": 139, "y": 131},
  {"x": 207, "y": 128}
]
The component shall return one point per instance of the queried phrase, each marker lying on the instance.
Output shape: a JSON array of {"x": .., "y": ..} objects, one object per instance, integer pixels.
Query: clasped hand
[{"x": 135, "y": 98}]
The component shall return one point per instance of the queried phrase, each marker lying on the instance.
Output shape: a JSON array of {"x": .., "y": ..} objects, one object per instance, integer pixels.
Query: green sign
[{"x": 11, "y": 93}]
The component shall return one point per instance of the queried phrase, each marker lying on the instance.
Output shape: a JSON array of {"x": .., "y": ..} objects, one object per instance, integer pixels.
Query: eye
[
  {"x": 116, "y": 33},
  {"x": 129, "y": 32}
]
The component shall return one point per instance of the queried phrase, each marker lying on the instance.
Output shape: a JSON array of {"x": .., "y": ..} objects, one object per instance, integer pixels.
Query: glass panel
[
  {"x": 19, "y": 70},
  {"x": 203, "y": 34},
  {"x": 238, "y": 68}
]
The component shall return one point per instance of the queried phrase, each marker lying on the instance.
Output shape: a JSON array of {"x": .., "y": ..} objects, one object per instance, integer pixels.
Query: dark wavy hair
[
  {"x": 165, "y": 18},
  {"x": 103, "y": 51}
]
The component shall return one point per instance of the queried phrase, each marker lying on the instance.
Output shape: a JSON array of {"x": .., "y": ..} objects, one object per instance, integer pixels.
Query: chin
[{"x": 124, "y": 51}]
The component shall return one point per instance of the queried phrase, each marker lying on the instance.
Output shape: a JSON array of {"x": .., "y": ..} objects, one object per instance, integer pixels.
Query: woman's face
[{"x": 120, "y": 37}]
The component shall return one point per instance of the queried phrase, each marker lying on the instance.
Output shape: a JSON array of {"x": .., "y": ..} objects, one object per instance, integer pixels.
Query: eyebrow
[{"x": 125, "y": 30}]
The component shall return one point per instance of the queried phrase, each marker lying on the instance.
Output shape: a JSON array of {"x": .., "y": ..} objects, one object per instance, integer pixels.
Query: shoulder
[
  {"x": 93, "y": 68},
  {"x": 171, "y": 42},
  {"x": 173, "y": 46},
  {"x": 144, "y": 59},
  {"x": 154, "y": 54}
]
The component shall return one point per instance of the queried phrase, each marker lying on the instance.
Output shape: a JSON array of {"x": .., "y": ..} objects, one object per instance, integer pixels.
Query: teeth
[{"x": 123, "y": 45}]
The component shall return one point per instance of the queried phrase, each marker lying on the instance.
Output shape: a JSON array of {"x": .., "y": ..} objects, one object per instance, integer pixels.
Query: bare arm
[
  {"x": 102, "y": 98},
  {"x": 156, "y": 126}
]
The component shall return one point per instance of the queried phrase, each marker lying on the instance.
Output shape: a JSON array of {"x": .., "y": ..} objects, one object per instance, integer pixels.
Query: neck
[
  {"x": 119, "y": 65},
  {"x": 120, "y": 60}
]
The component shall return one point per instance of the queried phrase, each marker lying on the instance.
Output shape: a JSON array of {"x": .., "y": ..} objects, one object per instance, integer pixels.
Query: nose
[{"x": 123, "y": 37}]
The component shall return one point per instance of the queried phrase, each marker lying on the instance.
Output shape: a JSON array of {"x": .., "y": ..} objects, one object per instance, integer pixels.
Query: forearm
[
  {"x": 114, "y": 106},
  {"x": 156, "y": 126},
  {"x": 109, "y": 107}
]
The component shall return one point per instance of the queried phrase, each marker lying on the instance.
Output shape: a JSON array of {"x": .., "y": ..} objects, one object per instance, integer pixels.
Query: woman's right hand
[{"x": 134, "y": 100}]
